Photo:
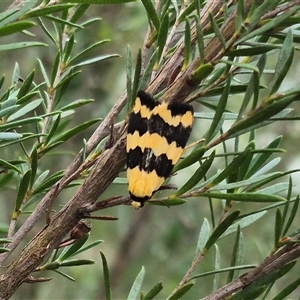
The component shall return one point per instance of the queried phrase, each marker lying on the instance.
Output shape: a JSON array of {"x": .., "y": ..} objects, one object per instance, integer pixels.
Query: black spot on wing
[
  {"x": 137, "y": 123},
  {"x": 134, "y": 158},
  {"x": 180, "y": 109},
  {"x": 146, "y": 99},
  {"x": 178, "y": 134},
  {"x": 164, "y": 166},
  {"x": 148, "y": 162},
  {"x": 161, "y": 164}
]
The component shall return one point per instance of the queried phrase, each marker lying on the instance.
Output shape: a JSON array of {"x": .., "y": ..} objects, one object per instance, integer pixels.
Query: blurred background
[{"x": 161, "y": 239}]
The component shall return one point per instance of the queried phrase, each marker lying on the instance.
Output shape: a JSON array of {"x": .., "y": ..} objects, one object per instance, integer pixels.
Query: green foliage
[{"x": 232, "y": 63}]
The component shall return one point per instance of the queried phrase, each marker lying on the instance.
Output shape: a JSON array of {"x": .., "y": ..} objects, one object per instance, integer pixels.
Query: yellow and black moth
[{"x": 156, "y": 137}]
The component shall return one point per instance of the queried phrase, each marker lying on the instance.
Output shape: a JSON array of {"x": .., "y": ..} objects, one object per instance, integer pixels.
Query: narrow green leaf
[
  {"x": 26, "y": 137},
  {"x": 44, "y": 73},
  {"x": 52, "y": 130},
  {"x": 286, "y": 291},
  {"x": 77, "y": 262},
  {"x": 137, "y": 73},
  {"x": 24, "y": 89},
  {"x": 16, "y": 76},
  {"x": 256, "y": 12},
  {"x": 89, "y": 246},
  {"x": 55, "y": 68},
  {"x": 187, "y": 11},
  {"x": 24, "y": 110},
  {"x": 193, "y": 157},
  {"x": 200, "y": 37},
  {"x": 34, "y": 165},
  {"x": 12, "y": 135},
  {"x": 4, "y": 250},
  {"x": 244, "y": 197},
  {"x": 11, "y": 101},
  {"x": 219, "y": 112},
  {"x": 72, "y": 250},
  {"x": 7, "y": 136},
  {"x": 230, "y": 168},
  {"x": 6, "y": 165},
  {"x": 292, "y": 216},
  {"x": 257, "y": 287},
  {"x": 130, "y": 95},
  {"x": 29, "y": 96},
  {"x": 284, "y": 62},
  {"x": 254, "y": 50},
  {"x": 187, "y": 44},
  {"x": 288, "y": 198},
  {"x": 240, "y": 65},
  {"x": 162, "y": 36},
  {"x": 261, "y": 158},
  {"x": 202, "y": 239},
  {"x": 8, "y": 110},
  {"x": 20, "y": 45},
  {"x": 256, "y": 120},
  {"x": 224, "y": 270},
  {"x": 144, "y": 82},
  {"x": 151, "y": 12},
  {"x": 275, "y": 188},
  {"x": 269, "y": 26},
  {"x": 220, "y": 229},
  {"x": 47, "y": 10},
  {"x": 63, "y": 21},
  {"x": 107, "y": 286},
  {"x": 50, "y": 266},
  {"x": 253, "y": 293},
  {"x": 75, "y": 104},
  {"x": 15, "y": 27},
  {"x": 217, "y": 31},
  {"x": 244, "y": 183},
  {"x": 96, "y": 59},
  {"x": 244, "y": 222},
  {"x": 49, "y": 182},
  {"x": 196, "y": 177},
  {"x": 63, "y": 83},
  {"x": 17, "y": 12},
  {"x": 65, "y": 275},
  {"x": 70, "y": 133},
  {"x": 79, "y": 12},
  {"x": 217, "y": 266},
  {"x": 153, "y": 292},
  {"x": 47, "y": 32},
  {"x": 182, "y": 291},
  {"x": 40, "y": 179},
  {"x": 137, "y": 285},
  {"x": 22, "y": 190},
  {"x": 278, "y": 228},
  {"x": 167, "y": 202},
  {"x": 86, "y": 50},
  {"x": 240, "y": 16},
  {"x": 246, "y": 163},
  {"x": 237, "y": 254},
  {"x": 4, "y": 241},
  {"x": 253, "y": 88}
]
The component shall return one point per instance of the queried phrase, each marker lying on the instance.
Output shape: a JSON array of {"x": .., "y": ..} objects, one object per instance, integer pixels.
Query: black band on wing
[{"x": 161, "y": 164}]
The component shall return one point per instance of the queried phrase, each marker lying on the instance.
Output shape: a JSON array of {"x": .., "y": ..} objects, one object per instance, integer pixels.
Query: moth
[{"x": 156, "y": 138}]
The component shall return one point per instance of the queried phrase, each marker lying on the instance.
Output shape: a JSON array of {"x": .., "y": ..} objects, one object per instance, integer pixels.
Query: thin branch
[{"x": 269, "y": 265}]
